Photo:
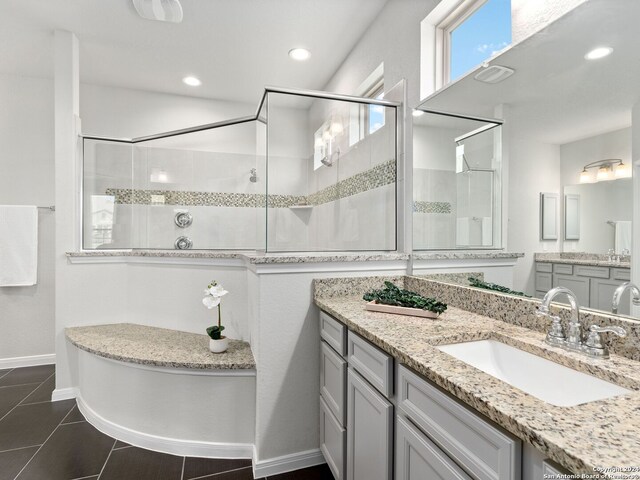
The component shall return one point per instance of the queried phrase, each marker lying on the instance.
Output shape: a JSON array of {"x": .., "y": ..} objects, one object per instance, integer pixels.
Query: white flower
[
  {"x": 211, "y": 301},
  {"x": 217, "y": 291}
]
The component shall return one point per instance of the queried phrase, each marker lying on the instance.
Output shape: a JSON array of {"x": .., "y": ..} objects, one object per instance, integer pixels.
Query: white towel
[
  {"x": 623, "y": 236},
  {"x": 462, "y": 231},
  {"x": 487, "y": 231},
  {"x": 18, "y": 245}
]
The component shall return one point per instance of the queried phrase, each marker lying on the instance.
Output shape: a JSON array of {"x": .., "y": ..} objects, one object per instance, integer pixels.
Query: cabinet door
[
  {"x": 332, "y": 441},
  {"x": 369, "y": 431},
  {"x": 578, "y": 285},
  {"x": 602, "y": 296},
  {"x": 418, "y": 458}
]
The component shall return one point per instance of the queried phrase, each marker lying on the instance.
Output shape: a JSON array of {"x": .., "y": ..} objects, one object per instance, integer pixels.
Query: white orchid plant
[{"x": 212, "y": 299}]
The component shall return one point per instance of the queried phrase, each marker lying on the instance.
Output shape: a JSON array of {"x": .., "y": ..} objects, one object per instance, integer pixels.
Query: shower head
[
  {"x": 328, "y": 160},
  {"x": 253, "y": 178}
]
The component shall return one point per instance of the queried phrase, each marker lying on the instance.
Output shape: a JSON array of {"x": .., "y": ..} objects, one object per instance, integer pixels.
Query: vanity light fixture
[
  {"x": 599, "y": 52},
  {"x": 608, "y": 169},
  {"x": 299, "y": 54},
  {"x": 192, "y": 81},
  {"x": 160, "y": 10}
]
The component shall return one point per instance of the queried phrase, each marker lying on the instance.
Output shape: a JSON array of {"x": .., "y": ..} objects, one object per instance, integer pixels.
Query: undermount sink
[{"x": 549, "y": 381}]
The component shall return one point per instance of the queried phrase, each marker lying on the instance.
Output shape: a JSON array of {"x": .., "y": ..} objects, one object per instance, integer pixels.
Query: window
[
  {"x": 476, "y": 36},
  {"x": 457, "y": 36},
  {"x": 367, "y": 119}
]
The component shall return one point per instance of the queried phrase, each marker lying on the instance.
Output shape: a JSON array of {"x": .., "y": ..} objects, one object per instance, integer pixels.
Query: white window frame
[
  {"x": 435, "y": 44},
  {"x": 372, "y": 86}
]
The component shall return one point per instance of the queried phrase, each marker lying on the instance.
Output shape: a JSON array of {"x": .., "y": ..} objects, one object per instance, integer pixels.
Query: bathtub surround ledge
[{"x": 160, "y": 347}]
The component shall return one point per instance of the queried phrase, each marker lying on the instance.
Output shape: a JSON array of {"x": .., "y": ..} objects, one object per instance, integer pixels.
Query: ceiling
[
  {"x": 235, "y": 47},
  {"x": 556, "y": 96}
]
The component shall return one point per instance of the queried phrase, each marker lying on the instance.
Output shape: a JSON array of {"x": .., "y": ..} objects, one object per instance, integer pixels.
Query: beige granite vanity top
[
  {"x": 250, "y": 257},
  {"x": 576, "y": 259},
  {"x": 604, "y": 433},
  {"x": 161, "y": 347}
]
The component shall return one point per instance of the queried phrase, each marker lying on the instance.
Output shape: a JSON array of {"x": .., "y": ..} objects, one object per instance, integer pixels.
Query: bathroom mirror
[
  {"x": 567, "y": 130},
  {"x": 548, "y": 216},
  {"x": 572, "y": 216}
]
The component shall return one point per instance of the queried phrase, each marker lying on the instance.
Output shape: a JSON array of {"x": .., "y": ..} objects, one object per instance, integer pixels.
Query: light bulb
[
  {"x": 599, "y": 52},
  {"x": 586, "y": 177},
  {"x": 623, "y": 170},
  {"x": 604, "y": 173}
]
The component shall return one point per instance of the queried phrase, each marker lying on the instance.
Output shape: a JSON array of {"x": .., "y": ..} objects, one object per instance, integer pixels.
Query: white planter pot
[{"x": 219, "y": 346}]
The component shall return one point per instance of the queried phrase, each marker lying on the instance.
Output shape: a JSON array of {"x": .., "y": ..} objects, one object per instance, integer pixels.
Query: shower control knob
[
  {"x": 183, "y": 219},
  {"x": 183, "y": 243}
]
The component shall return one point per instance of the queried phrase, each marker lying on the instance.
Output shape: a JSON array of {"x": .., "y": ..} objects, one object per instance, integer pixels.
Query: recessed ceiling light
[
  {"x": 192, "y": 81},
  {"x": 418, "y": 113},
  {"x": 299, "y": 54},
  {"x": 599, "y": 52}
]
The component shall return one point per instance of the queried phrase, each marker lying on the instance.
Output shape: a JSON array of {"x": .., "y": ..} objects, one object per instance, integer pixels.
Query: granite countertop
[
  {"x": 161, "y": 347},
  {"x": 603, "y": 433},
  {"x": 589, "y": 260},
  {"x": 464, "y": 255},
  {"x": 250, "y": 257}
]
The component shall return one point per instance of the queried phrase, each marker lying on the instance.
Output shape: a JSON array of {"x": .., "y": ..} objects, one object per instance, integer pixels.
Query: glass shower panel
[
  {"x": 331, "y": 180},
  {"x": 456, "y": 183},
  {"x": 107, "y": 220},
  {"x": 198, "y": 190}
]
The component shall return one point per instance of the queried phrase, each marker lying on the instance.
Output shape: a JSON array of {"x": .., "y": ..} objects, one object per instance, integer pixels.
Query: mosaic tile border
[
  {"x": 378, "y": 176},
  {"x": 431, "y": 207}
]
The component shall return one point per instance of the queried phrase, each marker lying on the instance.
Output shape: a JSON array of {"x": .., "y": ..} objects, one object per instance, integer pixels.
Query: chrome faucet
[
  {"x": 593, "y": 345},
  {"x": 573, "y": 339},
  {"x": 617, "y": 295}
]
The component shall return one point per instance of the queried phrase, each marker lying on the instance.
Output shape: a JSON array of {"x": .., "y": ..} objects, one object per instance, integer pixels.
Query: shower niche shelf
[{"x": 301, "y": 207}]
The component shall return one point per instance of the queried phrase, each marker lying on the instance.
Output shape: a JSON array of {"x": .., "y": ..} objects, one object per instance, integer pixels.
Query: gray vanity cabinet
[
  {"x": 593, "y": 285},
  {"x": 369, "y": 431},
  {"x": 418, "y": 458},
  {"x": 578, "y": 285}
]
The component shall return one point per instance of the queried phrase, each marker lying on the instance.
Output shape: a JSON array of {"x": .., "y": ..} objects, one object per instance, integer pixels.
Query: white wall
[
  {"x": 26, "y": 178},
  {"x": 527, "y": 17},
  {"x": 533, "y": 167}
]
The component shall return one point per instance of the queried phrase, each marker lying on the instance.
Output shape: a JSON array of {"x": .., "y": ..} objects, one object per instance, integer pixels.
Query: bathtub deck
[{"x": 161, "y": 347}]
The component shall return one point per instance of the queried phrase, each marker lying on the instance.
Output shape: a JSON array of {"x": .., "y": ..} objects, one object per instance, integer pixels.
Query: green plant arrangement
[
  {"x": 476, "y": 282},
  {"x": 392, "y": 295},
  {"x": 212, "y": 299}
]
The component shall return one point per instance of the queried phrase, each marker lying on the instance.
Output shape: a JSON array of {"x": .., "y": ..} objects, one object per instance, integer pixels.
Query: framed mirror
[
  {"x": 571, "y": 216},
  {"x": 549, "y": 216}
]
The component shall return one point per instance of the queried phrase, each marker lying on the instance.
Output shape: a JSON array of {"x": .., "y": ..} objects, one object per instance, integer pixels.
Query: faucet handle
[
  {"x": 594, "y": 346},
  {"x": 555, "y": 335}
]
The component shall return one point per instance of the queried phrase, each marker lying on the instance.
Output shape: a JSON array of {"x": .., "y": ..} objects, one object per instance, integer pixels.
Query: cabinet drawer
[
  {"x": 369, "y": 431},
  {"x": 550, "y": 470},
  {"x": 333, "y": 376},
  {"x": 334, "y": 333},
  {"x": 418, "y": 458},
  {"x": 482, "y": 449},
  {"x": 333, "y": 441},
  {"x": 544, "y": 267},
  {"x": 597, "y": 272},
  {"x": 563, "y": 268},
  {"x": 623, "y": 274},
  {"x": 372, "y": 363},
  {"x": 544, "y": 281}
]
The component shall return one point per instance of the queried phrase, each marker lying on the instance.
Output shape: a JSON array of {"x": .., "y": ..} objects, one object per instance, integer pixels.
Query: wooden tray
[{"x": 414, "y": 312}]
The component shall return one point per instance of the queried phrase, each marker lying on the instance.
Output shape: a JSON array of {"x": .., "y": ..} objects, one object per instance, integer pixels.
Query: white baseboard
[
  {"x": 64, "y": 394},
  {"x": 287, "y": 463},
  {"x": 31, "y": 361},
  {"x": 156, "y": 443}
]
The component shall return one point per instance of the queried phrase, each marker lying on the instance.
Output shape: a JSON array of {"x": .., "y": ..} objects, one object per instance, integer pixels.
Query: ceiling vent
[
  {"x": 494, "y": 74},
  {"x": 161, "y": 10}
]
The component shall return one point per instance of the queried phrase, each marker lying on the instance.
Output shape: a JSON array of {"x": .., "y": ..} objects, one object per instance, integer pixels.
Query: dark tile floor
[{"x": 44, "y": 440}]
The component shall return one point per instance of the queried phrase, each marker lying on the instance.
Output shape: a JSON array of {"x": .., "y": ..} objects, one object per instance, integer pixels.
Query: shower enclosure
[
  {"x": 457, "y": 167},
  {"x": 309, "y": 172}
]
